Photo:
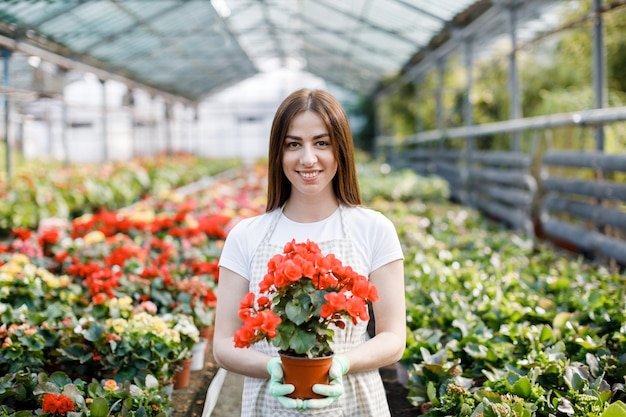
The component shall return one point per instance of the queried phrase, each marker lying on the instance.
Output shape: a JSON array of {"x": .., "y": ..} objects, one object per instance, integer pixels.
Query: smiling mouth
[{"x": 309, "y": 175}]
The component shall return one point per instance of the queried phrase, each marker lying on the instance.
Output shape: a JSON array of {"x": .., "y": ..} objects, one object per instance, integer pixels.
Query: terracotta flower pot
[
  {"x": 303, "y": 373},
  {"x": 181, "y": 378}
]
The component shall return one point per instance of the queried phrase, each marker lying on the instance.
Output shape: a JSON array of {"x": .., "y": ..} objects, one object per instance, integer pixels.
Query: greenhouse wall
[{"x": 233, "y": 123}]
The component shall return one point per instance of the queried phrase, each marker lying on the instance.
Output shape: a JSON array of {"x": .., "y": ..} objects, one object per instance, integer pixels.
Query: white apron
[{"x": 364, "y": 392}]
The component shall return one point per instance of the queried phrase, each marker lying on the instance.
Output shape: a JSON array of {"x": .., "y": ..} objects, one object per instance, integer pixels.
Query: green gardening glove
[
  {"x": 334, "y": 389},
  {"x": 279, "y": 390}
]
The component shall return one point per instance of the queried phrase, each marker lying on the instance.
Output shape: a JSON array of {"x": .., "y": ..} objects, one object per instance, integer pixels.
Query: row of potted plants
[
  {"x": 44, "y": 189},
  {"x": 501, "y": 324},
  {"x": 498, "y": 323},
  {"x": 98, "y": 313}
]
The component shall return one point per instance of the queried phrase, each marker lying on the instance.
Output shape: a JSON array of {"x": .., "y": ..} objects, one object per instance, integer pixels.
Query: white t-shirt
[{"x": 373, "y": 235}]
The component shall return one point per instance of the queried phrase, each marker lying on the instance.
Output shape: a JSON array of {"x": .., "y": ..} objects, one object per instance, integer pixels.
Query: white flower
[
  {"x": 135, "y": 391},
  {"x": 185, "y": 326},
  {"x": 151, "y": 382}
]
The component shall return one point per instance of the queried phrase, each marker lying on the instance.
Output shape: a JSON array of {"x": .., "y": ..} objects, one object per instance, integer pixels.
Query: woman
[{"x": 313, "y": 194}]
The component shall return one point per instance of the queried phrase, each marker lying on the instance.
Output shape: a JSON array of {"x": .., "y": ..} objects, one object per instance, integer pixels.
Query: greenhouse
[{"x": 135, "y": 137}]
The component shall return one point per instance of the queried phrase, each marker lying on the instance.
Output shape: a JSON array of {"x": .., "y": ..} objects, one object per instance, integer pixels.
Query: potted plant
[{"x": 302, "y": 298}]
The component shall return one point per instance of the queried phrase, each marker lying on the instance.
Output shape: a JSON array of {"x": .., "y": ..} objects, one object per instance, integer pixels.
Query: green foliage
[
  {"x": 47, "y": 190},
  {"x": 364, "y": 134},
  {"x": 501, "y": 324},
  {"x": 399, "y": 186},
  {"x": 304, "y": 332},
  {"x": 25, "y": 391},
  {"x": 555, "y": 76}
]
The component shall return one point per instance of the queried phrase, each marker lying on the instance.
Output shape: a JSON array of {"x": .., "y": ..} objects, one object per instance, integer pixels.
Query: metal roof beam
[
  {"x": 130, "y": 28},
  {"x": 370, "y": 25},
  {"x": 58, "y": 13},
  {"x": 69, "y": 63},
  {"x": 332, "y": 51},
  {"x": 272, "y": 30},
  {"x": 420, "y": 10},
  {"x": 348, "y": 36}
]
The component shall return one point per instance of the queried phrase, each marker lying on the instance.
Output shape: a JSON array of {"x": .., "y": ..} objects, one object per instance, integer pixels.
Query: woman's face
[{"x": 308, "y": 159}]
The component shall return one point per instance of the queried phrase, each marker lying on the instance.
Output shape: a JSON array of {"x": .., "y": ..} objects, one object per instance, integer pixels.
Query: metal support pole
[
  {"x": 439, "y": 98},
  {"x": 66, "y": 148},
  {"x": 515, "y": 104},
  {"x": 64, "y": 140},
  {"x": 196, "y": 129},
  {"x": 599, "y": 83},
  {"x": 378, "y": 128},
  {"x": 439, "y": 94},
  {"x": 599, "y": 69},
  {"x": 189, "y": 127},
  {"x": 168, "y": 127},
  {"x": 105, "y": 136},
  {"x": 130, "y": 102},
  {"x": 153, "y": 139},
  {"x": 468, "y": 116},
  {"x": 49, "y": 121},
  {"x": 6, "y": 57},
  {"x": 419, "y": 122}
]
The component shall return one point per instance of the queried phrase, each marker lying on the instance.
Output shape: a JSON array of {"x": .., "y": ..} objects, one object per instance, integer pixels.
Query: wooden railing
[{"x": 588, "y": 212}]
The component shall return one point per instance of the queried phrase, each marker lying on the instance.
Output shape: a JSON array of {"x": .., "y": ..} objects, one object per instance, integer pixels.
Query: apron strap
[{"x": 270, "y": 230}]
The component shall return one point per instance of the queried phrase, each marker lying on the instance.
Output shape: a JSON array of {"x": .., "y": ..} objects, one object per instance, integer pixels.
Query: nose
[{"x": 308, "y": 157}]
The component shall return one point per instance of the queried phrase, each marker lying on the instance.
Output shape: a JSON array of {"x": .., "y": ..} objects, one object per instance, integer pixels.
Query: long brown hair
[{"x": 322, "y": 103}]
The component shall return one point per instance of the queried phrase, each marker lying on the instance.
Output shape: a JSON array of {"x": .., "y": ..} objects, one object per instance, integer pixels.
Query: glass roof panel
[{"x": 191, "y": 48}]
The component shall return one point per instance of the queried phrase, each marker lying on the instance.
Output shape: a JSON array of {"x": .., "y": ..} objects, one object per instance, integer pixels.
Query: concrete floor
[{"x": 224, "y": 400}]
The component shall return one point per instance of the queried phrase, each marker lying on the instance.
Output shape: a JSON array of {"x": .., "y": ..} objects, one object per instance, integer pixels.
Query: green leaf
[
  {"x": 297, "y": 311},
  {"x": 431, "y": 391},
  {"x": 617, "y": 409},
  {"x": 141, "y": 412},
  {"x": 476, "y": 351},
  {"x": 99, "y": 407},
  {"x": 46, "y": 387},
  {"x": 301, "y": 341},
  {"x": 34, "y": 343},
  {"x": 127, "y": 407},
  {"x": 522, "y": 388},
  {"x": 71, "y": 391},
  {"x": 60, "y": 379},
  {"x": 94, "y": 332}
]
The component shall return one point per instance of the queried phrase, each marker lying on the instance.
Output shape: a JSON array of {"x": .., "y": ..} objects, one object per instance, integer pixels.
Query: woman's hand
[
  {"x": 278, "y": 389},
  {"x": 334, "y": 389}
]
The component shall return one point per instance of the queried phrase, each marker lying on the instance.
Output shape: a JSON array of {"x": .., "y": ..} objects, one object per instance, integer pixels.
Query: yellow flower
[
  {"x": 139, "y": 213},
  {"x": 191, "y": 222},
  {"x": 19, "y": 259},
  {"x": 95, "y": 236},
  {"x": 125, "y": 302},
  {"x": 85, "y": 218},
  {"x": 29, "y": 269},
  {"x": 172, "y": 335},
  {"x": 159, "y": 326},
  {"x": 164, "y": 215},
  {"x": 64, "y": 280},
  {"x": 51, "y": 280},
  {"x": 117, "y": 325},
  {"x": 15, "y": 265},
  {"x": 6, "y": 276}
]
